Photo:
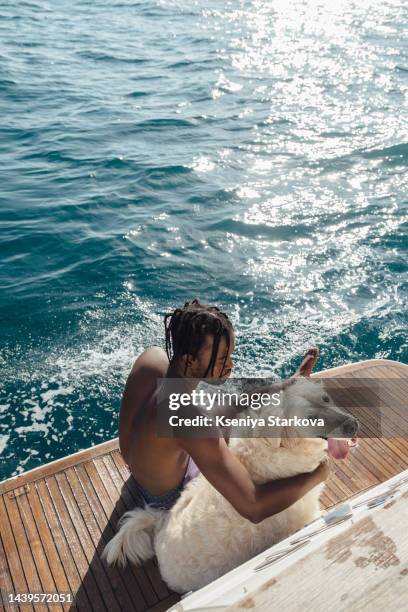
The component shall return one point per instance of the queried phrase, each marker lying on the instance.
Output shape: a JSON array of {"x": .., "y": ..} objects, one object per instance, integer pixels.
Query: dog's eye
[{"x": 326, "y": 398}]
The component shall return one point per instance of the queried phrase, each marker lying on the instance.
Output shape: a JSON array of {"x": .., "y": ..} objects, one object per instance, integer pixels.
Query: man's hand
[{"x": 321, "y": 472}]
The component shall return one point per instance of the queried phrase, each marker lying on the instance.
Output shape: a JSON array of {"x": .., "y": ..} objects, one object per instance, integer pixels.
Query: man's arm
[{"x": 227, "y": 474}]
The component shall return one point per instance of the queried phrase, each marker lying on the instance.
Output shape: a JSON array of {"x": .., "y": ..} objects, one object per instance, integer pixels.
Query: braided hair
[{"x": 187, "y": 327}]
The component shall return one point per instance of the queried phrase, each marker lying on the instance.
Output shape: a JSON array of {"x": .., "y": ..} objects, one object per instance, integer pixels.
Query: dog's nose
[{"x": 350, "y": 427}]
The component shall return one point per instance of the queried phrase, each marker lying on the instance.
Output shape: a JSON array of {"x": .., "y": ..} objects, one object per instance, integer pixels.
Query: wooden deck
[{"x": 56, "y": 519}]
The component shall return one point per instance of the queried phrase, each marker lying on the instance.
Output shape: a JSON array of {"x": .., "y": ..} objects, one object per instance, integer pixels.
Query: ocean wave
[
  {"x": 257, "y": 231},
  {"x": 107, "y": 57}
]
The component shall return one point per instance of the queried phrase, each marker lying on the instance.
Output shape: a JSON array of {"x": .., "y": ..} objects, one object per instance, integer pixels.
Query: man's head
[{"x": 200, "y": 340}]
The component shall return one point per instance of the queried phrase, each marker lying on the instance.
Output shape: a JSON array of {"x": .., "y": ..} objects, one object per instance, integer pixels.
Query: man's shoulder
[
  {"x": 152, "y": 361},
  {"x": 153, "y": 354}
]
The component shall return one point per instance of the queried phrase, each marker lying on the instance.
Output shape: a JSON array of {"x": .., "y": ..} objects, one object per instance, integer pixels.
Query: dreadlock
[{"x": 187, "y": 327}]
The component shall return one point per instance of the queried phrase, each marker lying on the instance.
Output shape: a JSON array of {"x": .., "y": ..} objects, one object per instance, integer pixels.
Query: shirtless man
[{"x": 199, "y": 345}]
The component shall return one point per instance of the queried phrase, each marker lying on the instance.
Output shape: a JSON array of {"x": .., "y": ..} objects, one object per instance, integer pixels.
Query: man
[{"x": 199, "y": 345}]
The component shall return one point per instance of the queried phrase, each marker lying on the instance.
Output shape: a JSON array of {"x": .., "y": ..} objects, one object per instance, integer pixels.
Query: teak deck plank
[
  {"x": 75, "y": 545},
  {"x": 23, "y": 547},
  {"x": 34, "y": 541},
  {"x": 14, "y": 566},
  {"x": 65, "y": 552},
  {"x": 6, "y": 584},
  {"x": 56, "y": 519},
  {"x": 124, "y": 590},
  {"x": 110, "y": 517},
  {"x": 47, "y": 540},
  {"x": 87, "y": 536}
]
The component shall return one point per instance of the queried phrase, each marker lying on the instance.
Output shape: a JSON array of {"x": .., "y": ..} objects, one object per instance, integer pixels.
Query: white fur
[
  {"x": 203, "y": 536},
  {"x": 134, "y": 538}
]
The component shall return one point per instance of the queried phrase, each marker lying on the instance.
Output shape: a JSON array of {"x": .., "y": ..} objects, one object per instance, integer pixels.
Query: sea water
[{"x": 252, "y": 154}]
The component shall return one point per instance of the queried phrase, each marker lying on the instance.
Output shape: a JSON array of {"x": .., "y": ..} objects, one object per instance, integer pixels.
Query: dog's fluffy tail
[{"x": 134, "y": 540}]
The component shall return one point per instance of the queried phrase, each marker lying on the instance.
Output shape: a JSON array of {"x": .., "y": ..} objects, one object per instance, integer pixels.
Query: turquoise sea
[{"x": 250, "y": 153}]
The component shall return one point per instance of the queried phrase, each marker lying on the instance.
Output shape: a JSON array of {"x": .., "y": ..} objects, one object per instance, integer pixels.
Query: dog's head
[{"x": 308, "y": 400}]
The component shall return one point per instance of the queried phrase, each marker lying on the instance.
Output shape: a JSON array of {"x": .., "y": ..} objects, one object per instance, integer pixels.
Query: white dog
[{"x": 202, "y": 537}]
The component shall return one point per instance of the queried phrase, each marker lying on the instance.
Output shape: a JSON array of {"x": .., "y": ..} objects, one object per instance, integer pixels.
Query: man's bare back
[{"x": 158, "y": 464}]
